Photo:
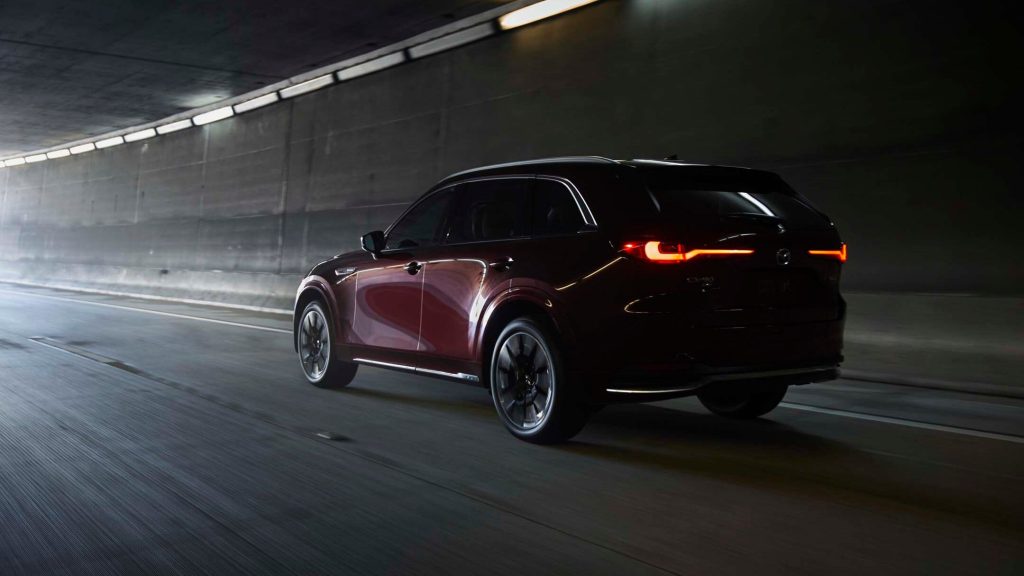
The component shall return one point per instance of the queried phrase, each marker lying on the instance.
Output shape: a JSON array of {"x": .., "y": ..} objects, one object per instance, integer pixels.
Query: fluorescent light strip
[
  {"x": 213, "y": 116},
  {"x": 107, "y": 143},
  {"x": 464, "y": 36},
  {"x": 307, "y": 86},
  {"x": 514, "y": 19},
  {"x": 371, "y": 66},
  {"x": 174, "y": 126},
  {"x": 539, "y": 11},
  {"x": 140, "y": 135},
  {"x": 257, "y": 102}
]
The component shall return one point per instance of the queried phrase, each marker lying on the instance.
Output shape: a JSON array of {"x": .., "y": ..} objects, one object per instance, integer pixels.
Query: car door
[
  {"x": 490, "y": 217},
  {"x": 388, "y": 294}
]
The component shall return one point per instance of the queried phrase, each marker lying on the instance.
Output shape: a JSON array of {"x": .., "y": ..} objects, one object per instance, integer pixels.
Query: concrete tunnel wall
[{"x": 899, "y": 119}]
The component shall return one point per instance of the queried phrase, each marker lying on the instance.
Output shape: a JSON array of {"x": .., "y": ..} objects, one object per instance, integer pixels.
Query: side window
[
  {"x": 491, "y": 210},
  {"x": 554, "y": 209},
  {"x": 421, "y": 226}
]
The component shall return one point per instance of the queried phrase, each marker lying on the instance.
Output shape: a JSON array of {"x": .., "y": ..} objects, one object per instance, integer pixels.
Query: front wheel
[
  {"x": 316, "y": 353},
  {"x": 530, "y": 387},
  {"x": 742, "y": 400}
]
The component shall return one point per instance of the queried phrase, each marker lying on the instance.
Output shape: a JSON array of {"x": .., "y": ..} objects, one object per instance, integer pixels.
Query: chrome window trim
[
  {"x": 581, "y": 202},
  {"x": 581, "y": 205}
]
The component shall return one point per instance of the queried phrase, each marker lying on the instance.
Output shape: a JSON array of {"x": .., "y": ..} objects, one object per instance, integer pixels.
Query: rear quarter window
[{"x": 554, "y": 209}]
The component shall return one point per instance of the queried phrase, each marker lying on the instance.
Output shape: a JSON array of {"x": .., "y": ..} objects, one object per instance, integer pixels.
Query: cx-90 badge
[{"x": 783, "y": 256}]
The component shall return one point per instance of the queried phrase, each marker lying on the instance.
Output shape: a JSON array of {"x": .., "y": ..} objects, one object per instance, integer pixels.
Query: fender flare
[
  {"x": 532, "y": 295},
  {"x": 318, "y": 285}
]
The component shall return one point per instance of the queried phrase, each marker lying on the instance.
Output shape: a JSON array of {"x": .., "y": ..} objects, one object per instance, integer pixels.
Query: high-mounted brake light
[
  {"x": 665, "y": 253},
  {"x": 837, "y": 254}
]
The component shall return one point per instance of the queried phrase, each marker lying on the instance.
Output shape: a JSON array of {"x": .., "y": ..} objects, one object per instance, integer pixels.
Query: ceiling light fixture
[
  {"x": 107, "y": 143},
  {"x": 307, "y": 86},
  {"x": 257, "y": 102},
  {"x": 140, "y": 135},
  {"x": 464, "y": 36},
  {"x": 174, "y": 126},
  {"x": 371, "y": 66},
  {"x": 213, "y": 116},
  {"x": 539, "y": 11}
]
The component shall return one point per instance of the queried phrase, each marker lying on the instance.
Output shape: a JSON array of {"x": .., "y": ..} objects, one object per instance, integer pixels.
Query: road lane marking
[
  {"x": 907, "y": 423},
  {"x": 139, "y": 296},
  {"x": 156, "y": 312}
]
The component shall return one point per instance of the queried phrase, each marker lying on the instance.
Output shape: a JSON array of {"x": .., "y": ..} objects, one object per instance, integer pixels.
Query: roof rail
[{"x": 552, "y": 160}]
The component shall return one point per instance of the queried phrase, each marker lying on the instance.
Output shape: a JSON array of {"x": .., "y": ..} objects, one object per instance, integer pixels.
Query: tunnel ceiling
[{"x": 72, "y": 69}]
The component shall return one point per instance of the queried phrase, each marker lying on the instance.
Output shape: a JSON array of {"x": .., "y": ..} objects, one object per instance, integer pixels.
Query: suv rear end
[{"x": 726, "y": 275}]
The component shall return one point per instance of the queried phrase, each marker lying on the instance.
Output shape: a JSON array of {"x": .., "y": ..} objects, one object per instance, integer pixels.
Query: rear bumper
[{"x": 639, "y": 388}]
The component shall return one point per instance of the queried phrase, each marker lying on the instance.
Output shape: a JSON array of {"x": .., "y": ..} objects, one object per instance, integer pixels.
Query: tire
[
  {"x": 742, "y": 400},
  {"x": 530, "y": 387},
  {"x": 317, "y": 358}
]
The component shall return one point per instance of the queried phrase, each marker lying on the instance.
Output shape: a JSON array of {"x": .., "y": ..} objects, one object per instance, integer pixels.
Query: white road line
[
  {"x": 139, "y": 296},
  {"x": 156, "y": 312},
  {"x": 790, "y": 405},
  {"x": 907, "y": 423}
]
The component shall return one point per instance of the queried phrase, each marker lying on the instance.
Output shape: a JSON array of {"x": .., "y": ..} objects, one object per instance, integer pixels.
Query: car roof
[{"x": 563, "y": 162}]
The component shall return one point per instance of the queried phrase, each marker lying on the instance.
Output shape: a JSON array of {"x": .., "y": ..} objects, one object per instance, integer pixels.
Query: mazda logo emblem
[{"x": 783, "y": 256}]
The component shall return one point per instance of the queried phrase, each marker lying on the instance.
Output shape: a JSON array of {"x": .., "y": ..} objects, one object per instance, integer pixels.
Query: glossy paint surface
[{"x": 617, "y": 317}]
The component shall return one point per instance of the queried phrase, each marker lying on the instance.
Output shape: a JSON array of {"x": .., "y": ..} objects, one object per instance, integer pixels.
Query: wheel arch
[
  {"x": 516, "y": 305},
  {"x": 312, "y": 290}
]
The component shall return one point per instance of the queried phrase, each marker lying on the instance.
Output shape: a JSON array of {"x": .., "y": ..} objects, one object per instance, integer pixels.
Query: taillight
[
  {"x": 837, "y": 254},
  {"x": 667, "y": 253}
]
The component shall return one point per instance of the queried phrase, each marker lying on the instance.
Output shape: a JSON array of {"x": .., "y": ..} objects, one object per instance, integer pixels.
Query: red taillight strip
[
  {"x": 699, "y": 252},
  {"x": 652, "y": 251},
  {"x": 838, "y": 254}
]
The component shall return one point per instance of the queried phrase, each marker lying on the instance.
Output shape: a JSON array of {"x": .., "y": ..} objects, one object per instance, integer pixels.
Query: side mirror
[{"x": 373, "y": 242}]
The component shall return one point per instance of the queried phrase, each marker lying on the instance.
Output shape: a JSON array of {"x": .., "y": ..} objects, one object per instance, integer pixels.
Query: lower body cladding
[
  {"x": 694, "y": 382},
  {"x": 660, "y": 357}
]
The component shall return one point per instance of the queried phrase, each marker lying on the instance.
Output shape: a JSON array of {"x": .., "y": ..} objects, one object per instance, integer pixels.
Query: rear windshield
[{"x": 699, "y": 193}]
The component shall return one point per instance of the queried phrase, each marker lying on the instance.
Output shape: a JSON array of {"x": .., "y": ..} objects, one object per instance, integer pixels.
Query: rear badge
[{"x": 783, "y": 256}]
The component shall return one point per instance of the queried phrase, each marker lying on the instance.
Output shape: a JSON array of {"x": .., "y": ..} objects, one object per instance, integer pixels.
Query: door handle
[
  {"x": 502, "y": 265},
  {"x": 413, "y": 267}
]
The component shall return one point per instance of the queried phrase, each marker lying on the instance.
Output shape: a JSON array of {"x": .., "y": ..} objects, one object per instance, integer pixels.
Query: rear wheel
[
  {"x": 316, "y": 353},
  {"x": 742, "y": 400},
  {"x": 532, "y": 393}
]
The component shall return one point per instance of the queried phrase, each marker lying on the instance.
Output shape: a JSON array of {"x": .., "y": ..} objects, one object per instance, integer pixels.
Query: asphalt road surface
[{"x": 154, "y": 438}]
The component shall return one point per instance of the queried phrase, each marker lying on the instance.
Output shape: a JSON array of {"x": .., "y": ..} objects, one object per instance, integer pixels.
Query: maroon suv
[{"x": 568, "y": 283}]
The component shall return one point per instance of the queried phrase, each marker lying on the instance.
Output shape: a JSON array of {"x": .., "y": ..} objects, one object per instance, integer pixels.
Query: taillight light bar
[
  {"x": 664, "y": 253},
  {"x": 837, "y": 254}
]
